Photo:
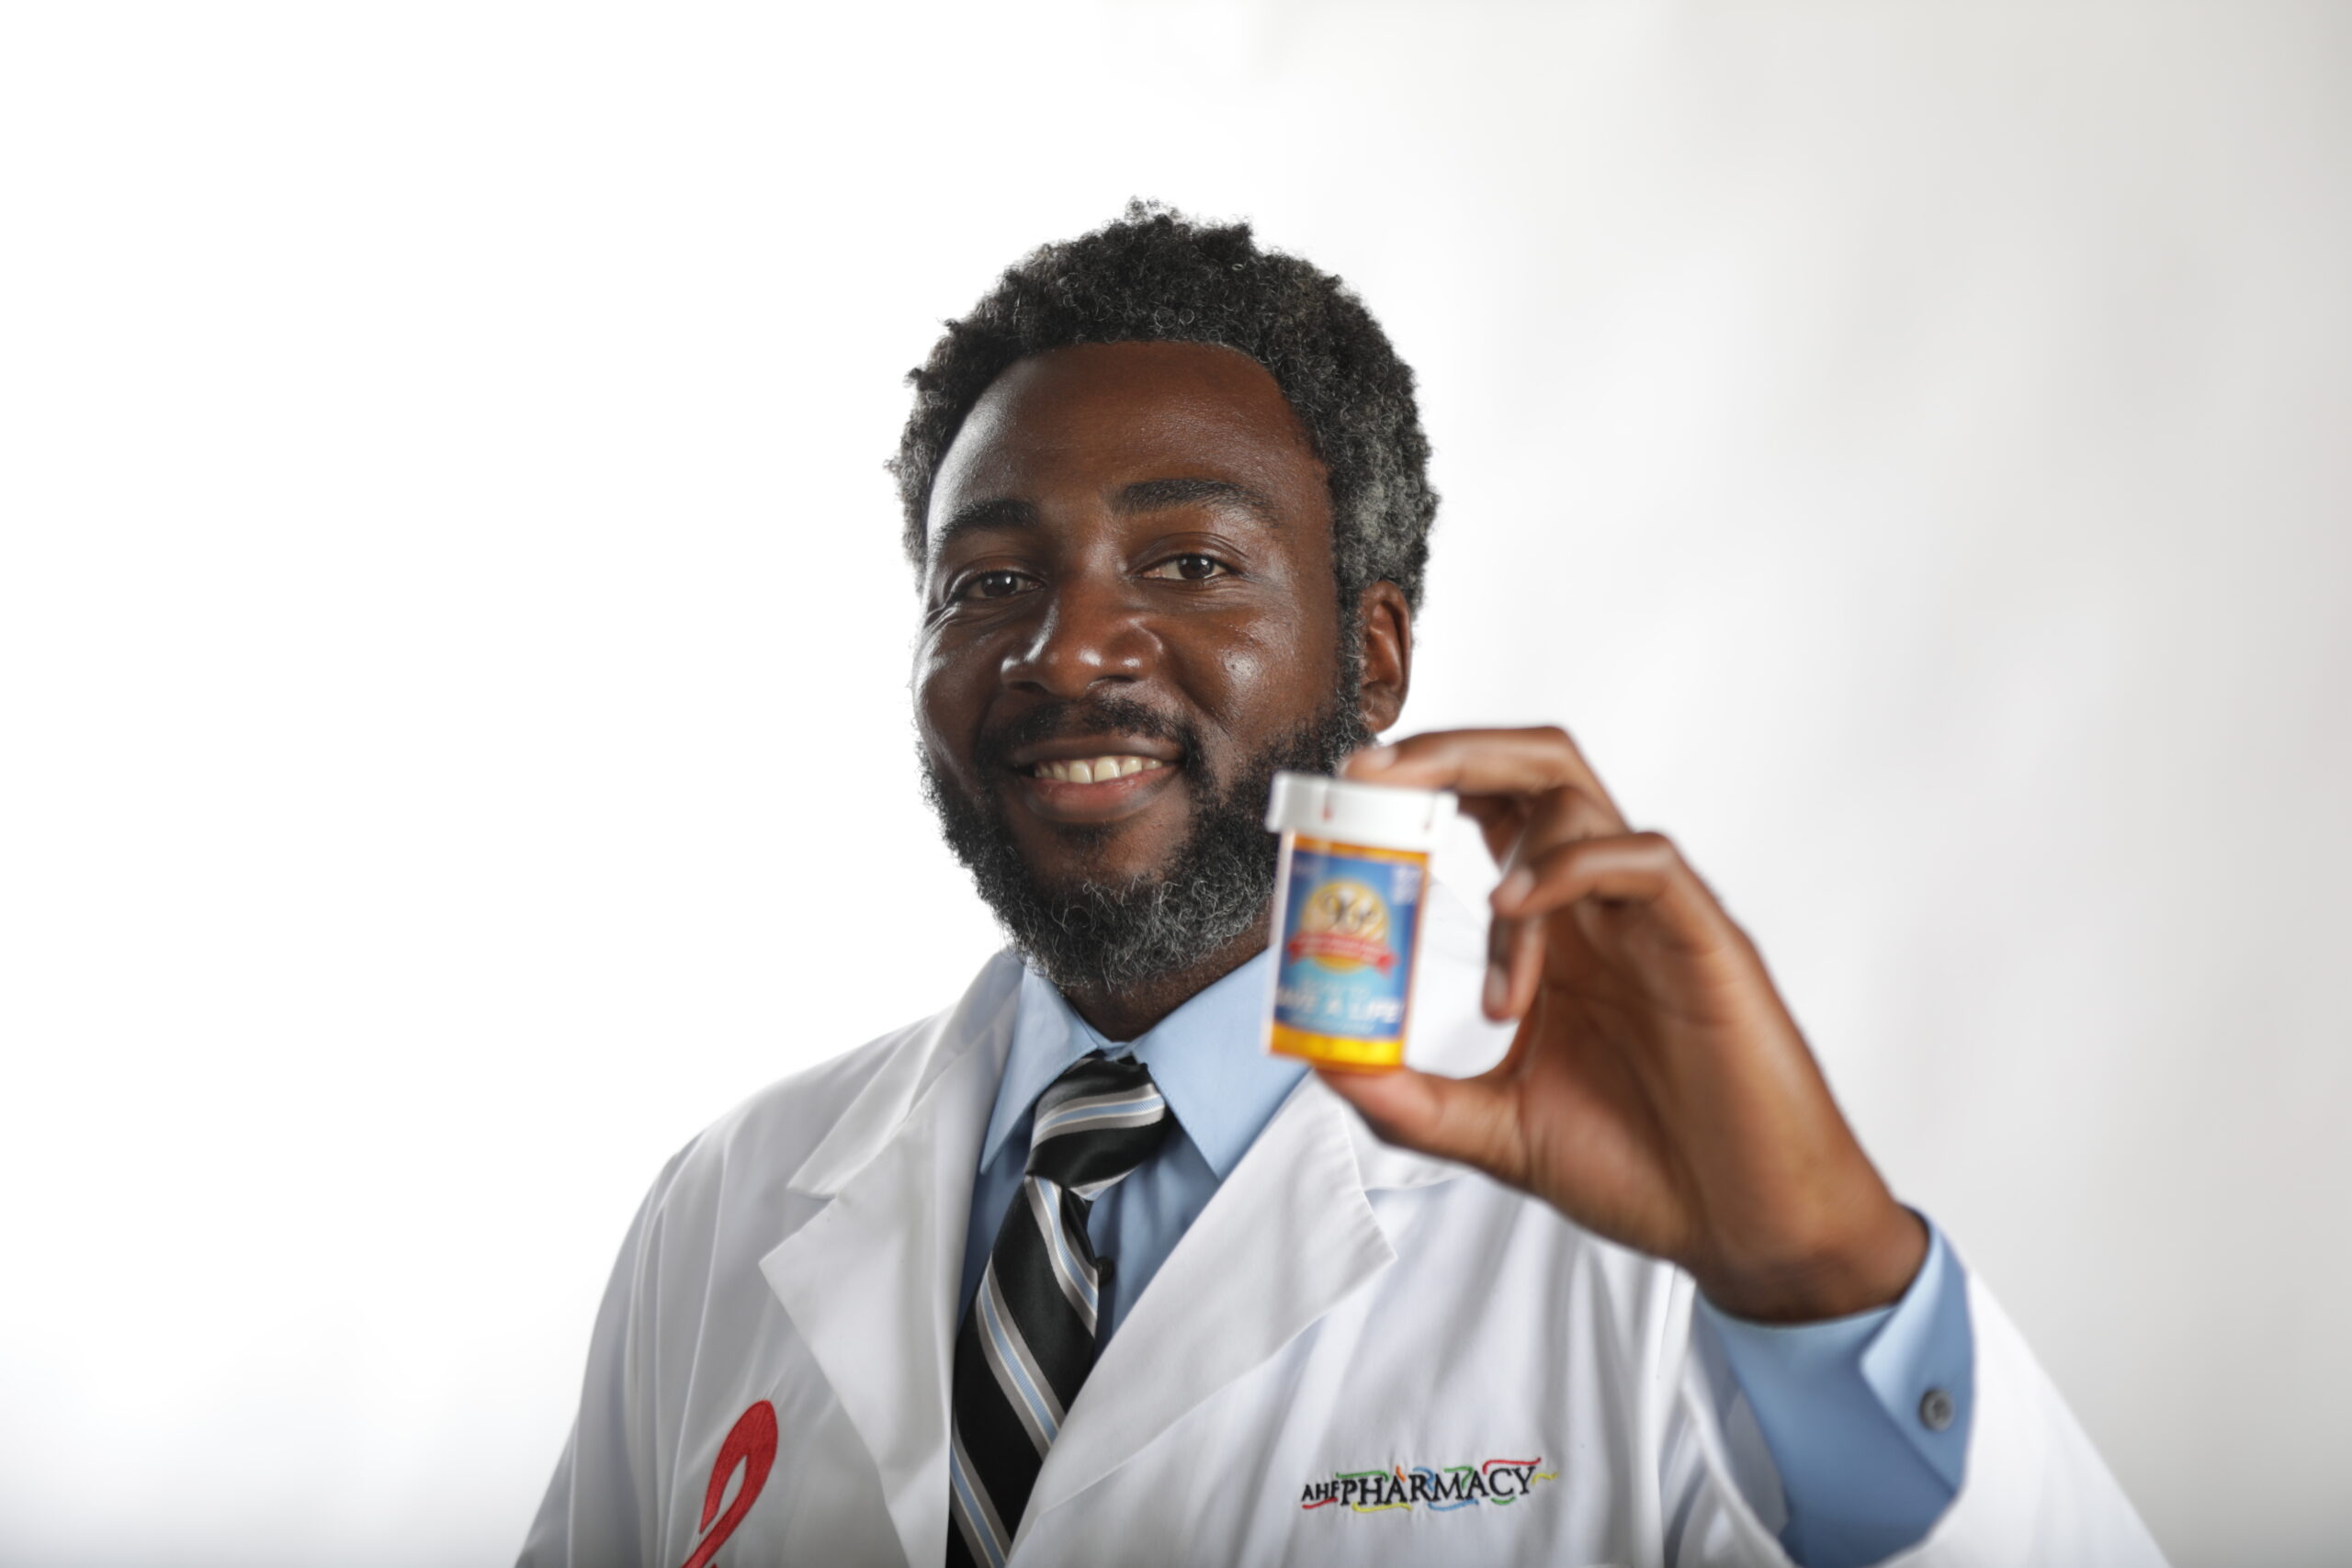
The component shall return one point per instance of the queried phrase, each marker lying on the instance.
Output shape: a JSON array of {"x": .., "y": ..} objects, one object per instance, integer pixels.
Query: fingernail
[
  {"x": 1516, "y": 886},
  {"x": 1497, "y": 988},
  {"x": 1377, "y": 756}
]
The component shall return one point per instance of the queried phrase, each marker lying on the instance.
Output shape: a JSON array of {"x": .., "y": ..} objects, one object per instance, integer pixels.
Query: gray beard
[{"x": 1114, "y": 934}]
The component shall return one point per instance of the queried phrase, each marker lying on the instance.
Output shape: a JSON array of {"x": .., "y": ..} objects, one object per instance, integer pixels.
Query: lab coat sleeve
[
  {"x": 2035, "y": 1490},
  {"x": 600, "y": 1508},
  {"x": 1844, "y": 1405}
]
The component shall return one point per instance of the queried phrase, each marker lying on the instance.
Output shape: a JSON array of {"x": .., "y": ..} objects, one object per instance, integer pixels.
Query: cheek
[
  {"x": 944, "y": 713},
  {"x": 1269, "y": 673}
]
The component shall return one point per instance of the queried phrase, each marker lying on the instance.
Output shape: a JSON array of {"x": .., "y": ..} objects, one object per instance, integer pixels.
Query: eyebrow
[
  {"x": 1003, "y": 513},
  {"x": 1152, "y": 495},
  {"x": 1007, "y": 515}
]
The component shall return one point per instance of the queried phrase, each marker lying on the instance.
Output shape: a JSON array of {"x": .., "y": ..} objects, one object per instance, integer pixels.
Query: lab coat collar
[
  {"x": 1382, "y": 1166},
  {"x": 869, "y": 1281}
]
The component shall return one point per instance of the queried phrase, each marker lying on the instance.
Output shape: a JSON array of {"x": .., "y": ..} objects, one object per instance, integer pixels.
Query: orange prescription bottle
[{"x": 1353, "y": 879}]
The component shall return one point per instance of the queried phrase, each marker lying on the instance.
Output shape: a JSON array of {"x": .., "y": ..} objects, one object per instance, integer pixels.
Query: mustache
[{"x": 1092, "y": 716}]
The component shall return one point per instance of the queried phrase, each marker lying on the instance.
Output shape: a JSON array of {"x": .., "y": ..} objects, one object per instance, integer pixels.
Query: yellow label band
[{"x": 1336, "y": 1049}]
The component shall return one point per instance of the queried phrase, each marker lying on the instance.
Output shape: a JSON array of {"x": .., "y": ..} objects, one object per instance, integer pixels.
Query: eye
[
  {"x": 1191, "y": 568},
  {"x": 997, "y": 585}
]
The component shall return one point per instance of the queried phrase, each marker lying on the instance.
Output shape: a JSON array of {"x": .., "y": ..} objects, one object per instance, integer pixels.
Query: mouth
[
  {"x": 1093, "y": 779},
  {"x": 1092, "y": 770}
]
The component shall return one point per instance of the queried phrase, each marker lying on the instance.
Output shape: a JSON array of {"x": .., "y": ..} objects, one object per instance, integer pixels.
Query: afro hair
[{"x": 1156, "y": 276}]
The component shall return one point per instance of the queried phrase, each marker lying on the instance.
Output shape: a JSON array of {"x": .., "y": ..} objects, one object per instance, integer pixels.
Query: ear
[{"x": 1388, "y": 622}]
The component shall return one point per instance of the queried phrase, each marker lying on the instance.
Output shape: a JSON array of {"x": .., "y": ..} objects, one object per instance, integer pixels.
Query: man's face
[{"x": 1129, "y": 619}]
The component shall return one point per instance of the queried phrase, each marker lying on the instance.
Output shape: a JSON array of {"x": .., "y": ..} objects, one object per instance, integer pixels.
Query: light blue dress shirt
[{"x": 1867, "y": 1416}]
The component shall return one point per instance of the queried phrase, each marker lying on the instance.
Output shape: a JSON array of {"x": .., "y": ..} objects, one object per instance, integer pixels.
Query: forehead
[{"x": 1088, "y": 419}]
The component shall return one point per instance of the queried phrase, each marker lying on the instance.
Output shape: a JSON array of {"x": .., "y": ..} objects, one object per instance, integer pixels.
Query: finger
[
  {"x": 1514, "y": 965},
  {"x": 1499, "y": 818},
  {"x": 1485, "y": 761},
  {"x": 1626, "y": 868},
  {"x": 1632, "y": 868},
  {"x": 1515, "y": 826},
  {"x": 1559, "y": 817},
  {"x": 1470, "y": 1121}
]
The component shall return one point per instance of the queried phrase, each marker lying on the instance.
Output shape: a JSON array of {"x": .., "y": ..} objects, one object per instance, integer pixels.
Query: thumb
[{"x": 1468, "y": 1121}]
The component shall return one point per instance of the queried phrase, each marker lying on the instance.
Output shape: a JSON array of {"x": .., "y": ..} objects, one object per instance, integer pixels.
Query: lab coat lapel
[
  {"x": 870, "y": 1279},
  {"x": 1288, "y": 1236}
]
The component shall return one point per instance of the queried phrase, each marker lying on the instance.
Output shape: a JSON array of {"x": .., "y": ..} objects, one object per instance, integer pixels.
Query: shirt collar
[{"x": 1209, "y": 1058}]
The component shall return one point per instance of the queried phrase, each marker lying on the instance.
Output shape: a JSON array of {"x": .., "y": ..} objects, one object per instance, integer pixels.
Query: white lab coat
[{"x": 1341, "y": 1309}]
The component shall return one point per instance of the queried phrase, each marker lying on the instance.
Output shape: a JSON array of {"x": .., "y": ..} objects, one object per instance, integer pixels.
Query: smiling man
[
  {"x": 1076, "y": 1273},
  {"x": 1129, "y": 623}
]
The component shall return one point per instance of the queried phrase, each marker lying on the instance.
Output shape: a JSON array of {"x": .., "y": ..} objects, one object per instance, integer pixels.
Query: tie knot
[{"x": 1095, "y": 1123}]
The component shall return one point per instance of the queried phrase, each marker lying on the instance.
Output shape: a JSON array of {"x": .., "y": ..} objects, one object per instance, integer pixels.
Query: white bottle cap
[{"x": 1379, "y": 816}]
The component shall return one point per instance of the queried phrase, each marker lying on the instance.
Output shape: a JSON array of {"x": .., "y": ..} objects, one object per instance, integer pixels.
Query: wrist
[{"x": 1863, "y": 1268}]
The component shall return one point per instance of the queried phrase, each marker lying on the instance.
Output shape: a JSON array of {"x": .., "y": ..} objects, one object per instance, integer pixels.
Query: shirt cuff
[{"x": 1867, "y": 1416}]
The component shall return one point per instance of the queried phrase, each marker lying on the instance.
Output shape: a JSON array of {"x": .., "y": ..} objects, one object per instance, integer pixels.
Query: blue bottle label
[{"x": 1349, "y": 924}]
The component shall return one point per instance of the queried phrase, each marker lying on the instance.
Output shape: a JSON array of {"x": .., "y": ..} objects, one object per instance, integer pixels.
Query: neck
[{"x": 1132, "y": 1010}]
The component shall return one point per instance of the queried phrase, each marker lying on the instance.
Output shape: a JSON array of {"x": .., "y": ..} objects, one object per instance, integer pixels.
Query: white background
[{"x": 453, "y": 647}]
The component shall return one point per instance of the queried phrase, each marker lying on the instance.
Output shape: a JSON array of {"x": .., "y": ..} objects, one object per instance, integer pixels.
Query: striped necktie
[{"x": 1029, "y": 1339}]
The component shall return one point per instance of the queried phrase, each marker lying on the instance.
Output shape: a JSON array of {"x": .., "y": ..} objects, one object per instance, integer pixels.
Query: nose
[{"x": 1088, "y": 633}]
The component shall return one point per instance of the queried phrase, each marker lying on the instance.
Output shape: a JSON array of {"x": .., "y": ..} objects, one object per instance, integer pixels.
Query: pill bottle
[{"x": 1353, "y": 882}]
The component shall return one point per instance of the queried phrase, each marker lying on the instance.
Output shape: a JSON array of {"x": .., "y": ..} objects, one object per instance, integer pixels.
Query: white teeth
[{"x": 1095, "y": 770}]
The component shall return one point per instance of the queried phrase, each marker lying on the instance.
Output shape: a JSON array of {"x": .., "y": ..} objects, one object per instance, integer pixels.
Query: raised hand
[{"x": 1657, "y": 1091}]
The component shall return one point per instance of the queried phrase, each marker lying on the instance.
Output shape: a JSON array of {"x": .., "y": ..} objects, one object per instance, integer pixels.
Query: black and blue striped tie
[{"x": 1029, "y": 1339}]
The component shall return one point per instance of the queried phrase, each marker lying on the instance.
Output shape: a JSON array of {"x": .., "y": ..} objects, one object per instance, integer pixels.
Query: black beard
[{"x": 1110, "y": 935}]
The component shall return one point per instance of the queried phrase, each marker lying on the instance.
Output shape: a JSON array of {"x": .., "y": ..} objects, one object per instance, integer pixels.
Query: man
[{"x": 1075, "y": 1272}]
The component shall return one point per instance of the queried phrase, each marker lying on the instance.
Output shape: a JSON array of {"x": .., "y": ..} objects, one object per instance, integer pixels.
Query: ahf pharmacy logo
[{"x": 1495, "y": 1482}]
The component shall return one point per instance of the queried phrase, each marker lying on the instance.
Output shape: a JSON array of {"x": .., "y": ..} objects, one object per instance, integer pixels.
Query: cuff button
[{"x": 1936, "y": 1410}]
